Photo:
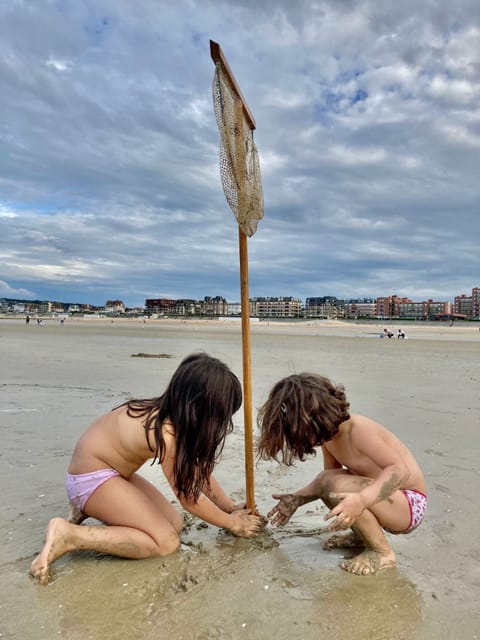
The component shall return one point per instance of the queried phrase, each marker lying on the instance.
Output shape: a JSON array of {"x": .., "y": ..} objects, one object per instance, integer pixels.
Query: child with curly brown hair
[{"x": 371, "y": 482}]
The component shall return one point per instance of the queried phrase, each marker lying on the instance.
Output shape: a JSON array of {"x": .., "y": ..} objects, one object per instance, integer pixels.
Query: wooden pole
[
  {"x": 241, "y": 111},
  {"x": 240, "y": 170},
  {"x": 247, "y": 370}
]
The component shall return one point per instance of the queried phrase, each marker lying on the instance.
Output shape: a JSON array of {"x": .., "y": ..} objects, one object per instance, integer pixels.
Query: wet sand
[{"x": 56, "y": 378}]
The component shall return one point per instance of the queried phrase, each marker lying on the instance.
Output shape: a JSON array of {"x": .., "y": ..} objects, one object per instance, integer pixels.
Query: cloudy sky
[{"x": 368, "y": 130}]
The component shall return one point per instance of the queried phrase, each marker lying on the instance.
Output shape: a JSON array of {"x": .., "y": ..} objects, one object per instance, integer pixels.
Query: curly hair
[
  {"x": 302, "y": 412},
  {"x": 200, "y": 400}
]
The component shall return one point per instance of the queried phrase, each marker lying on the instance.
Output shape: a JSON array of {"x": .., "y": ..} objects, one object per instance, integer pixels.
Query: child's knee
[
  {"x": 325, "y": 484},
  {"x": 172, "y": 544},
  {"x": 179, "y": 523},
  {"x": 169, "y": 544}
]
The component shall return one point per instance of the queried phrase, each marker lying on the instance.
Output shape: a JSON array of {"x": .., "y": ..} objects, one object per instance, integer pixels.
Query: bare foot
[
  {"x": 349, "y": 540},
  {"x": 56, "y": 545},
  {"x": 76, "y": 516},
  {"x": 369, "y": 563}
]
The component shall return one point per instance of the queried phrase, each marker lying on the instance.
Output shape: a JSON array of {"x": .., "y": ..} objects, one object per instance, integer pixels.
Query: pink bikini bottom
[
  {"x": 417, "y": 501},
  {"x": 81, "y": 486}
]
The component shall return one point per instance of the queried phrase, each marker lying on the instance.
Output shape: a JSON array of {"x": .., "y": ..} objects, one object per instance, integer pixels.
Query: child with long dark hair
[
  {"x": 184, "y": 431},
  {"x": 371, "y": 481}
]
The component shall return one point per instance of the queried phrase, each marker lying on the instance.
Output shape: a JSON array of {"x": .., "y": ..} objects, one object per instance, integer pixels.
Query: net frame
[{"x": 239, "y": 160}]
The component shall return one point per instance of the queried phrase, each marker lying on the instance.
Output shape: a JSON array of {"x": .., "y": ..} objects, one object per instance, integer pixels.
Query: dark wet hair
[
  {"x": 302, "y": 411},
  {"x": 199, "y": 401}
]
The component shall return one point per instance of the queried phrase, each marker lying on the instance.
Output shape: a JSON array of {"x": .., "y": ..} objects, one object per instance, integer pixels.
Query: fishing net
[{"x": 239, "y": 162}]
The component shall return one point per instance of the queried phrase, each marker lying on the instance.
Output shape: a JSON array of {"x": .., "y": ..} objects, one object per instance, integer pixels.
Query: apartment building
[
  {"x": 162, "y": 306},
  {"x": 463, "y": 305},
  {"x": 476, "y": 303},
  {"x": 281, "y": 307},
  {"x": 360, "y": 309},
  {"x": 425, "y": 310},
  {"x": 186, "y": 307},
  {"x": 209, "y": 306},
  {"x": 468, "y": 305},
  {"x": 389, "y": 306},
  {"x": 323, "y": 307}
]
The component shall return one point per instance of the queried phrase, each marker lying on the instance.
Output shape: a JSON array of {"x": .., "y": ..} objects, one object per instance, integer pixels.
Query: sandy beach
[{"x": 56, "y": 378}]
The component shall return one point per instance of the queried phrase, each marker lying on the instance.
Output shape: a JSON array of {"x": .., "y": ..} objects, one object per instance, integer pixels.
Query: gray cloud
[{"x": 368, "y": 128}]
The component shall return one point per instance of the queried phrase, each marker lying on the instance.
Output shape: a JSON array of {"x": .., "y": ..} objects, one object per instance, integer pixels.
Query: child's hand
[
  {"x": 239, "y": 506},
  {"x": 350, "y": 507},
  {"x": 284, "y": 510},
  {"x": 245, "y": 524},
  {"x": 242, "y": 506}
]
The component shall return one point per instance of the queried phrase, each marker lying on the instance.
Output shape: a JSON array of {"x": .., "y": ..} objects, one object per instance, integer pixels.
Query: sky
[{"x": 367, "y": 127}]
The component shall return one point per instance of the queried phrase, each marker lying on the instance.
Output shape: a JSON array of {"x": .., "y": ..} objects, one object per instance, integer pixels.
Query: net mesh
[{"x": 239, "y": 162}]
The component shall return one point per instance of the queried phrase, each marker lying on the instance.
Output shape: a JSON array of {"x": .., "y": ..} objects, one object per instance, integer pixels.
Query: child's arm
[
  {"x": 217, "y": 495},
  {"x": 289, "y": 502},
  {"x": 241, "y": 523}
]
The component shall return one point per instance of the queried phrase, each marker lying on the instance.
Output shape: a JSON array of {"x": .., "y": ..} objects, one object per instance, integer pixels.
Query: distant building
[
  {"x": 73, "y": 308},
  {"x": 114, "y": 306},
  {"x": 234, "y": 308},
  {"x": 19, "y": 308},
  {"x": 45, "y": 307},
  {"x": 468, "y": 305},
  {"x": 162, "y": 306},
  {"x": 187, "y": 307},
  {"x": 438, "y": 310},
  {"x": 209, "y": 306},
  {"x": 463, "y": 304},
  {"x": 389, "y": 307},
  {"x": 425, "y": 310},
  {"x": 323, "y": 307},
  {"x": 476, "y": 303},
  {"x": 58, "y": 307},
  {"x": 216, "y": 306},
  {"x": 279, "y": 307},
  {"x": 360, "y": 309}
]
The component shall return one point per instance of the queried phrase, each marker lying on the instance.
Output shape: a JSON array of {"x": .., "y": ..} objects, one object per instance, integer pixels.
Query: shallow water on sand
[{"x": 55, "y": 379}]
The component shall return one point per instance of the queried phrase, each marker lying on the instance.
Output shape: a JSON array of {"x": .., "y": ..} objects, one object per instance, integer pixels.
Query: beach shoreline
[{"x": 348, "y": 328}]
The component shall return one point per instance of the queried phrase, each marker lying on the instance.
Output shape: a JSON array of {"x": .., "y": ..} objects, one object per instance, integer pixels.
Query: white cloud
[
  {"x": 58, "y": 65},
  {"x": 7, "y": 213},
  {"x": 6, "y": 291},
  {"x": 455, "y": 91},
  {"x": 355, "y": 157},
  {"x": 458, "y": 134}
]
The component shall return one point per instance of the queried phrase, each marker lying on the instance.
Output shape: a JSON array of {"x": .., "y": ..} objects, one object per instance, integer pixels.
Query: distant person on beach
[
  {"x": 371, "y": 481},
  {"x": 184, "y": 430},
  {"x": 401, "y": 334}
]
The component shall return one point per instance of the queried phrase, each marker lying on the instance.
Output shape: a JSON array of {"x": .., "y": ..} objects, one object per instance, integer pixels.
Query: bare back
[
  {"x": 116, "y": 441},
  {"x": 365, "y": 448}
]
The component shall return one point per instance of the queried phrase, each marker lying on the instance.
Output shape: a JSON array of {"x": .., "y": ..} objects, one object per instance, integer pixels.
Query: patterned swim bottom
[{"x": 417, "y": 501}]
